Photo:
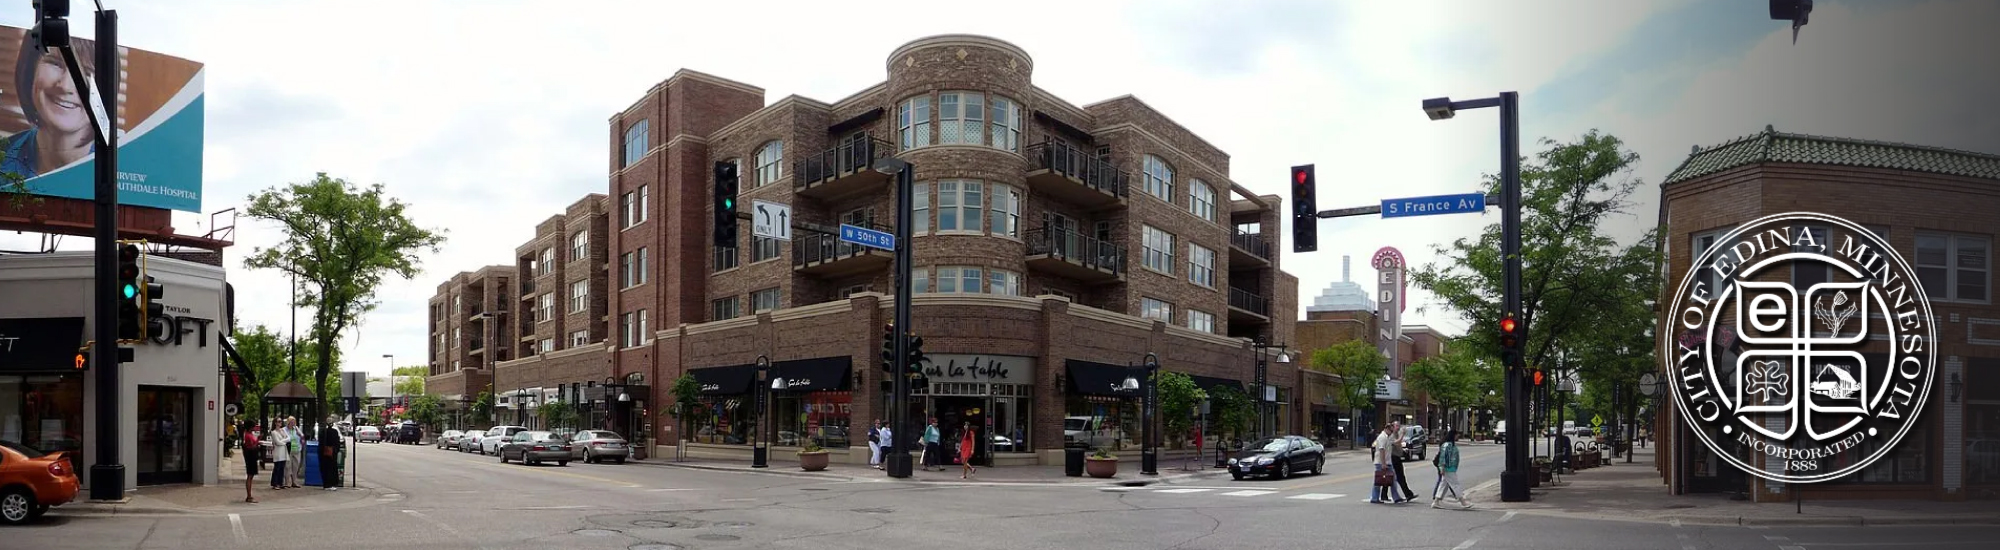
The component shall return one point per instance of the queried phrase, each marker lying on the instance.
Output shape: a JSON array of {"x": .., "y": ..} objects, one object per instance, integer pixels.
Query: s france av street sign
[{"x": 1434, "y": 205}]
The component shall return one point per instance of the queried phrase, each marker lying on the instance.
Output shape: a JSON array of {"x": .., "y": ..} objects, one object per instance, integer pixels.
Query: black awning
[
  {"x": 1210, "y": 383},
  {"x": 730, "y": 380},
  {"x": 40, "y": 344},
  {"x": 822, "y": 374},
  {"x": 1093, "y": 378}
]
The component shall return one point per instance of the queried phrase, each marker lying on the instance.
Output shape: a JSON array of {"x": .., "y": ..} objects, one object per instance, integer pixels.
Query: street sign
[
  {"x": 351, "y": 404},
  {"x": 1649, "y": 384},
  {"x": 1434, "y": 205},
  {"x": 1597, "y": 420},
  {"x": 353, "y": 383},
  {"x": 771, "y": 220},
  {"x": 867, "y": 237}
]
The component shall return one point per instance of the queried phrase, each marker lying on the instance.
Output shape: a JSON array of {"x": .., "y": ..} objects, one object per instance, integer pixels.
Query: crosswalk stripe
[
  {"x": 1248, "y": 493},
  {"x": 1316, "y": 496},
  {"x": 1180, "y": 491}
]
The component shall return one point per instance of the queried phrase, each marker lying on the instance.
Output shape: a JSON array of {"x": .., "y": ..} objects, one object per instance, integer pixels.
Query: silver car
[
  {"x": 593, "y": 446},
  {"x": 449, "y": 439},
  {"x": 536, "y": 447}
]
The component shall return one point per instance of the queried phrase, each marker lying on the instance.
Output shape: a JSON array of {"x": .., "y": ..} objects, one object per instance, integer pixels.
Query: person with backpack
[{"x": 253, "y": 452}]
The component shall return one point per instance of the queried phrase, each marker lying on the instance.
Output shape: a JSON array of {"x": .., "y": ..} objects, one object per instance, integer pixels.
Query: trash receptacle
[
  {"x": 310, "y": 475},
  {"x": 1073, "y": 460}
]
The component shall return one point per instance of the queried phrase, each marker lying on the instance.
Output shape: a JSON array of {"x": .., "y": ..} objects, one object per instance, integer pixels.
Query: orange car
[{"x": 32, "y": 482}]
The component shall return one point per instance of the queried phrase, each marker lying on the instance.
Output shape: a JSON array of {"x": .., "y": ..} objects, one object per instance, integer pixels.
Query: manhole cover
[
  {"x": 654, "y": 547},
  {"x": 873, "y": 510},
  {"x": 594, "y": 532},
  {"x": 732, "y": 524},
  {"x": 656, "y": 524},
  {"x": 716, "y": 537}
]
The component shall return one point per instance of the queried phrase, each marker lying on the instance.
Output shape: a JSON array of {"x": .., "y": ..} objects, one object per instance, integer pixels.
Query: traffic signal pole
[
  {"x": 107, "y": 475},
  {"x": 1514, "y": 478},
  {"x": 898, "y": 458}
]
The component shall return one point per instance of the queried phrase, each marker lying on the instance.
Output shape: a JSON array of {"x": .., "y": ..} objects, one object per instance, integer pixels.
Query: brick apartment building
[
  {"x": 469, "y": 312},
  {"x": 1055, "y": 244},
  {"x": 1937, "y": 208}
]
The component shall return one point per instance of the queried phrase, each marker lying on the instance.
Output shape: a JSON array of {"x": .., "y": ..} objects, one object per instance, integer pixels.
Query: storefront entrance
[{"x": 166, "y": 435}]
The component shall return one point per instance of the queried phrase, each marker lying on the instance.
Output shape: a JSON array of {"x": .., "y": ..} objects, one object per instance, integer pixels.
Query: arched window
[
  {"x": 770, "y": 162},
  {"x": 1201, "y": 199},
  {"x": 1159, "y": 178}
]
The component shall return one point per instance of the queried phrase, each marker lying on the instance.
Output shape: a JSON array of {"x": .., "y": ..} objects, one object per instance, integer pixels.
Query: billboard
[{"x": 49, "y": 139}]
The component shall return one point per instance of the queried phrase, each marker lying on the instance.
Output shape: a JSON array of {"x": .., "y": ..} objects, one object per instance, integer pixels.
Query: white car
[
  {"x": 496, "y": 437},
  {"x": 367, "y": 434}
]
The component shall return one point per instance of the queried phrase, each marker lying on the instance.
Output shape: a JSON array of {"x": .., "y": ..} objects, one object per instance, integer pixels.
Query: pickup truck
[{"x": 1091, "y": 431}]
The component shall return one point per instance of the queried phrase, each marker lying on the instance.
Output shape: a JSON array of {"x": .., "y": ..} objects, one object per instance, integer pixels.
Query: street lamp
[
  {"x": 392, "y": 377},
  {"x": 1262, "y": 379},
  {"x": 760, "y": 451},
  {"x": 1513, "y": 478},
  {"x": 1149, "y": 458}
]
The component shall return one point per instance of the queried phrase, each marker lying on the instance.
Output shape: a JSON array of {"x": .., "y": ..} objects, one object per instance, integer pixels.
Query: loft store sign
[
  {"x": 175, "y": 325},
  {"x": 998, "y": 369}
]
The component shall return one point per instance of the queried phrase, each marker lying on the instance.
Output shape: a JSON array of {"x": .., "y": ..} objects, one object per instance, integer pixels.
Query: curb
[{"x": 768, "y": 472}]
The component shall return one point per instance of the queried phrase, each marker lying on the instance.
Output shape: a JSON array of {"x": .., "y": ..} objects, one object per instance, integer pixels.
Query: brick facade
[{"x": 469, "y": 326}]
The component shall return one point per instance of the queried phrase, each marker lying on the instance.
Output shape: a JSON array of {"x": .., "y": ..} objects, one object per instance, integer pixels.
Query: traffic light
[
  {"x": 725, "y": 205},
  {"x": 51, "y": 24},
  {"x": 1510, "y": 340},
  {"x": 1536, "y": 377},
  {"x": 149, "y": 301},
  {"x": 889, "y": 348},
  {"x": 1305, "y": 210},
  {"x": 916, "y": 354},
  {"x": 131, "y": 317},
  {"x": 82, "y": 360}
]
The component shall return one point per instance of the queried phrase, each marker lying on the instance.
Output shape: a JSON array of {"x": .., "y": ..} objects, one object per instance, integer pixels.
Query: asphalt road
[{"x": 444, "y": 500}]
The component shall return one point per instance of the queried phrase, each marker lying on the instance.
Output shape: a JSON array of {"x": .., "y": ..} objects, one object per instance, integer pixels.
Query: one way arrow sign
[{"x": 771, "y": 220}]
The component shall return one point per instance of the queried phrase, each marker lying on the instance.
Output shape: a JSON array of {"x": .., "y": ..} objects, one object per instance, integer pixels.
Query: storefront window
[
  {"x": 724, "y": 419},
  {"x": 1908, "y": 464},
  {"x": 1102, "y": 422},
  {"x": 1982, "y": 444},
  {"x": 822, "y": 417},
  {"x": 42, "y": 412}
]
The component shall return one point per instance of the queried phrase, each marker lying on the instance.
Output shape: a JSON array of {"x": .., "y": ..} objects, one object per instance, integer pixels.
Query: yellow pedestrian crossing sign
[{"x": 1597, "y": 420}]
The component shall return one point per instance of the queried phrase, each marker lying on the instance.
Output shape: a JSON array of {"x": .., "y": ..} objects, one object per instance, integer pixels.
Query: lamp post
[
  {"x": 392, "y": 377},
  {"x": 760, "y": 450},
  {"x": 520, "y": 405},
  {"x": 1514, "y": 478},
  {"x": 1149, "y": 459},
  {"x": 1262, "y": 379}
]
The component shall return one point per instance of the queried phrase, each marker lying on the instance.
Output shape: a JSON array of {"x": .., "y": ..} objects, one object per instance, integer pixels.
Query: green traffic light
[
  {"x": 131, "y": 291},
  {"x": 728, "y": 203}
]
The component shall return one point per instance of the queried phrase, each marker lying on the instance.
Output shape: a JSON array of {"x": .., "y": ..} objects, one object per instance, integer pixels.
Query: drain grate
[{"x": 717, "y": 537}]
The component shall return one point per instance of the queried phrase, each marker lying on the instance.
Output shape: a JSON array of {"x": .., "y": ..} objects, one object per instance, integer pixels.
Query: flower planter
[
  {"x": 813, "y": 462},
  {"x": 1101, "y": 467}
]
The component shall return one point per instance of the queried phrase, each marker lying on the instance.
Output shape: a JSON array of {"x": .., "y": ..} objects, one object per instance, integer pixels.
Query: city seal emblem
[{"x": 1801, "y": 349}]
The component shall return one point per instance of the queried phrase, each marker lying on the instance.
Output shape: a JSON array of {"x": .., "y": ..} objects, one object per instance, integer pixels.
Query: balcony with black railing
[
  {"x": 1248, "y": 307},
  {"x": 823, "y": 254},
  {"x": 1073, "y": 255},
  {"x": 1248, "y": 250},
  {"x": 1075, "y": 176},
  {"x": 842, "y": 170}
]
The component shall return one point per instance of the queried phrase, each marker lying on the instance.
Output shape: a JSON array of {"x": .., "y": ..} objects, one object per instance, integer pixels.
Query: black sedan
[{"x": 1278, "y": 458}]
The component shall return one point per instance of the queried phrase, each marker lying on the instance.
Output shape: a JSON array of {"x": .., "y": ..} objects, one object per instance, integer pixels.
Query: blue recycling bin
[{"x": 311, "y": 474}]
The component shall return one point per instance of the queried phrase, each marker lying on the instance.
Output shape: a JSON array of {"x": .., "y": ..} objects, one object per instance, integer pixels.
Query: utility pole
[{"x": 898, "y": 458}]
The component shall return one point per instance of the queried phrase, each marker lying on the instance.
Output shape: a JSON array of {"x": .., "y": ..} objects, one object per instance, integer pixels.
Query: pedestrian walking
[
  {"x": 1447, "y": 465},
  {"x": 1385, "y": 474},
  {"x": 281, "y": 455},
  {"x": 888, "y": 443},
  {"x": 330, "y": 446},
  {"x": 252, "y": 451},
  {"x": 932, "y": 450},
  {"x": 1402, "y": 481},
  {"x": 297, "y": 450},
  {"x": 966, "y": 439},
  {"x": 875, "y": 444}
]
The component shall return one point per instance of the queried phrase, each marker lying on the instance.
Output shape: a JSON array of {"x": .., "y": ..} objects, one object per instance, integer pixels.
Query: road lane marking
[
  {"x": 236, "y": 526},
  {"x": 1248, "y": 493},
  {"x": 569, "y": 507},
  {"x": 1776, "y": 538},
  {"x": 1464, "y": 545},
  {"x": 1505, "y": 518},
  {"x": 671, "y": 489},
  {"x": 1676, "y": 522},
  {"x": 1791, "y": 548},
  {"x": 455, "y": 535},
  {"x": 1317, "y": 496},
  {"x": 1181, "y": 491}
]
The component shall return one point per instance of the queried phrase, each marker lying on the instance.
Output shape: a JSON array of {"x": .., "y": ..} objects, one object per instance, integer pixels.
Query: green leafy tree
[
  {"x": 556, "y": 414},
  {"x": 409, "y": 385},
  {"x": 687, "y": 402},
  {"x": 268, "y": 354},
  {"x": 426, "y": 409},
  {"x": 1358, "y": 364},
  {"x": 1179, "y": 396},
  {"x": 340, "y": 242},
  {"x": 1580, "y": 287},
  {"x": 1232, "y": 411},
  {"x": 482, "y": 408},
  {"x": 1452, "y": 379},
  {"x": 14, "y": 187}
]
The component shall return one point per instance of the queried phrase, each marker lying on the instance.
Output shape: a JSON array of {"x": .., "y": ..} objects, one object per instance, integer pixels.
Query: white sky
[{"x": 488, "y": 119}]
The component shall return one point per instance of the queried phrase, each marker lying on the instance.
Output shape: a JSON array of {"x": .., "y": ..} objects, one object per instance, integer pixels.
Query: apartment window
[
  {"x": 548, "y": 263},
  {"x": 641, "y": 337},
  {"x": 961, "y": 118},
  {"x": 455, "y": 342},
  {"x": 456, "y": 306},
  {"x": 762, "y": 248},
  {"x": 850, "y": 291},
  {"x": 959, "y": 206},
  {"x": 764, "y": 300},
  {"x": 545, "y": 308},
  {"x": 920, "y": 209},
  {"x": 1159, "y": 178},
  {"x": 1004, "y": 283},
  {"x": 628, "y": 329},
  {"x": 579, "y": 296},
  {"x": 1006, "y": 127},
  {"x": 1006, "y": 211},
  {"x": 1201, "y": 199},
  {"x": 913, "y": 122},
  {"x": 640, "y": 273},
  {"x": 1201, "y": 320},
  {"x": 635, "y": 142},
  {"x": 628, "y": 203},
  {"x": 625, "y": 270},
  {"x": 454, "y": 364},
  {"x": 726, "y": 258},
  {"x": 920, "y": 280},
  {"x": 1201, "y": 265},
  {"x": 1155, "y": 309},
  {"x": 1159, "y": 250},
  {"x": 579, "y": 247},
  {"x": 770, "y": 162},
  {"x": 579, "y": 338},
  {"x": 958, "y": 279},
  {"x": 645, "y": 200},
  {"x": 725, "y": 308},
  {"x": 547, "y": 345},
  {"x": 1954, "y": 267},
  {"x": 1710, "y": 282}
]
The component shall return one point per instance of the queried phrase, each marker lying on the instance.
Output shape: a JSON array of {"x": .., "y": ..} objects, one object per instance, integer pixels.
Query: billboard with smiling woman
[{"x": 49, "y": 140}]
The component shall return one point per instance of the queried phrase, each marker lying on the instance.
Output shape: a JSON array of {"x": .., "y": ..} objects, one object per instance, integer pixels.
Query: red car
[{"x": 32, "y": 482}]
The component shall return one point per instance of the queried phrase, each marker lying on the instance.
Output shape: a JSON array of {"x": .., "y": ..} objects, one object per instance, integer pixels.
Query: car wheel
[
  {"x": 564, "y": 463},
  {"x": 1237, "y": 476},
  {"x": 621, "y": 460},
  {"x": 14, "y": 506},
  {"x": 1285, "y": 469},
  {"x": 1319, "y": 465},
  {"x": 503, "y": 458}
]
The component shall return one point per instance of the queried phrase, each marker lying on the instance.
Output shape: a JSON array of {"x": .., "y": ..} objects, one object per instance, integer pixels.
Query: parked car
[
  {"x": 536, "y": 447},
  {"x": 594, "y": 446},
  {"x": 1278, "y": 458},
  {"x": 469, "y": 441},
  {"x": 1416, "y": 443},
  {"x": 367, "y": 434},
  {"x": 496, "y": 436},
  {"x": 31, "y": 482},
  {"x": 448, "y": 438},
  {"x": 409, "y": 434}
]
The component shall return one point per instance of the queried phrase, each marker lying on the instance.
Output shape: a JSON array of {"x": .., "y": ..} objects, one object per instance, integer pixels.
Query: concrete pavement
[{"x": 226, "y": 496}]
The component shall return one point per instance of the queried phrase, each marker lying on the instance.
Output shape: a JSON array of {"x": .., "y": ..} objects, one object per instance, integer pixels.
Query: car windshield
[
  {"x": 23, "y": 449},
  {"x": 1074, "y": 424},
  {"x": 604, "y": 435},
  {"x": 1271, "y": 445}
]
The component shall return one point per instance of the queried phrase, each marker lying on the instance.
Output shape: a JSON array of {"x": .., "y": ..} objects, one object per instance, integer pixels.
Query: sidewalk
[
  {"x": 226, "y": 496},
  {"x": 1634, "y": 492},
  {"x": 1171, "y": 470}
]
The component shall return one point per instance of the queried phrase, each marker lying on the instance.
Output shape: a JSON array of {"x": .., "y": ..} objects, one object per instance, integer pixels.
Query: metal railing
[
  {"x": 1094, "y": 172},
  {"x": 850, "y": 155},
  {"x": 1252, "y": 243},
  {"x": 815, "y": 247},
  {"x": 477, "y": 344},
  {"x": 527, "y": 287},
  {"x": 1076, "y": 247},
  {"x": 1249, "y": 301}
]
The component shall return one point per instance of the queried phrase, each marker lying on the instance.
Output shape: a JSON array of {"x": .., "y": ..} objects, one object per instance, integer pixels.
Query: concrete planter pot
[
  {"x": 1101, "y": 468},
  {"x": 813, "y": 461}
]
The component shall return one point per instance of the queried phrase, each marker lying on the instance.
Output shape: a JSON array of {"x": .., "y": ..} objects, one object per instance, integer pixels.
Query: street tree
[
  {"x": 340, "y": 241},
  {"x": 426, "y": 409},
  {"x": 1178, "y": 397},
  {"x": 409, "y": 385},
  {"x": 268, "y": 355},
  {"x": 1453, "y": 379},
  {"x": 1358, "y": 364},
  {"x": 1579, "y": 284},
  {"x": 482, "y": 408}
]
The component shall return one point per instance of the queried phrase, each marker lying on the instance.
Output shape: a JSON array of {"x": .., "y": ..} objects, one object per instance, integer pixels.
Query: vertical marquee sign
[{"x": 1390, "y": 288}]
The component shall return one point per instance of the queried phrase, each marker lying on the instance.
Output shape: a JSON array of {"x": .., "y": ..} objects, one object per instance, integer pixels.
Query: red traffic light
[
  {"x": 1507, "y": 325},
  {"x": 1299, "y": 176},
  {"x": 82, "y": 360},
  {"x": 1538, "y": 378}
]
